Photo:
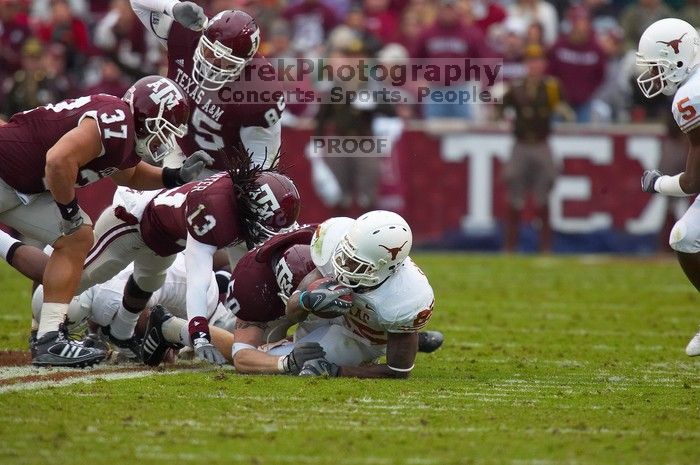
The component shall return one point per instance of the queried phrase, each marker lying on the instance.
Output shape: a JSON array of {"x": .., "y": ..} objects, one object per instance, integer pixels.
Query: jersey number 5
[{"x": 687, "y": 112}]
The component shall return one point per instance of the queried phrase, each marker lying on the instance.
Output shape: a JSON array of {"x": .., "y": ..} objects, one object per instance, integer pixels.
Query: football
[{"x": 331, "y": 284}]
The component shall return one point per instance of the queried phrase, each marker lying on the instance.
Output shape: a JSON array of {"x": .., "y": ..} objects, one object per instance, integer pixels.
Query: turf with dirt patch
[{"x": 547, "y": 360}]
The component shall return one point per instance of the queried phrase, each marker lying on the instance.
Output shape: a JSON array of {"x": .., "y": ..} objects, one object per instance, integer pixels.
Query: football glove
[
  {"x": 649, "y": 179},
  {"x": 324, "y": 300},
  {"x": 194, "y": 165},
  {"x": 71, "y": 217},
  {"x": 204, "y": 350},
  {"x": 201, "y": 340},
  {"x": 320, "y": 367},
  {"x": 302, "y": 353},
  {"x": 190, "y": 15}
]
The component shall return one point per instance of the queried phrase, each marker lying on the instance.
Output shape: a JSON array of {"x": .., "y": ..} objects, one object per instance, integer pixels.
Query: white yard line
[{"x": 91, "y": 378}]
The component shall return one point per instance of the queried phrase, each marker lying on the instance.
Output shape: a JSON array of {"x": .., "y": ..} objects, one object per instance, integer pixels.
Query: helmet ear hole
[{"x": 679, "y": 64}]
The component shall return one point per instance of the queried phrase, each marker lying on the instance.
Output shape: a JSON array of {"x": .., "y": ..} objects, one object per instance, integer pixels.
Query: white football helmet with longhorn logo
[
  {"x": 372, "y": 250},
  {"x": 668, "y": 53}
]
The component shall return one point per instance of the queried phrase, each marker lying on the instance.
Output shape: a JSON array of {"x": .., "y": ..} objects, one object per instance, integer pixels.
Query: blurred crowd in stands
[{"x": 54, "y": 49}]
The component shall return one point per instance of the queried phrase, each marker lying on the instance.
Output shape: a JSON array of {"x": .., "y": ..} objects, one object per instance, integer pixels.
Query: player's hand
[
  {"x": 302, "y": 353},
  {"x": 190, "y": 15},
  {"x": 320, "y": 367},
  {"x": 324, "y": 300},
  {"x": 194, "y": 165},
  {"x": 71, "y": 217},
  {"x": 204, "y": 350},
  {"x": 648, "y": 179},
  {"x": 201, "y": 340}
]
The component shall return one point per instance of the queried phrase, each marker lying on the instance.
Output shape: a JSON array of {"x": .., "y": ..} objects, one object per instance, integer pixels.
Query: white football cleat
[{"x": 693, "y": 347}]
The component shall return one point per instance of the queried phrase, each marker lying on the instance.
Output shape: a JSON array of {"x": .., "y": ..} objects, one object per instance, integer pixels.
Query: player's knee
[
  {"x": 147, "y": 284},
  {"x": 683, "y": 239}
]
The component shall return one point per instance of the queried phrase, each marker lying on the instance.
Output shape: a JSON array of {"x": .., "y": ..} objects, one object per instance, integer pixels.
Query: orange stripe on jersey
[{"x": 362, "y": 330}]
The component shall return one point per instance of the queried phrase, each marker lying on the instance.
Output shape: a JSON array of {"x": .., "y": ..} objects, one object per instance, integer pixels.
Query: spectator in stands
[
  {"x": 534, "y": 101},
  {"x": 31, "y": 86},
  {"x": 65, "y": 28},
  {"x": 579, "y": 63},
  {"x": 511, "y": 40},
  {"x": 534, "y": 35},
  {"x": 410, "y": 29},
  {"x": 487, "y": 13},
  {"x": 277, "y": 43},
  {"x": 14, "y": 31},
  {"x": 111, "y": 80},
  {"x": 357, "y": 21},
  {"x": 449, "y": 38},
  {"x": 538, "y": 11},
  {"x": 311, "y": 21},
  {"x": 639, "y": 15},
  {"x": 123, "y": 38},
  {"x": 611, "y": 101},
  {"x": 380, "y": 20}
]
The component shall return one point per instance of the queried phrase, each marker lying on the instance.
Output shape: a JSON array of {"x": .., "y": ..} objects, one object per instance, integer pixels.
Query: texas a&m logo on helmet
[{"x": 160, "y": 114}]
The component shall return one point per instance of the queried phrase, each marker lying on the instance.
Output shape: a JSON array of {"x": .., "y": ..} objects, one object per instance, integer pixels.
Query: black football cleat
[
  {"x": 55, "y": 349},
  {"x": 154, "y": 345},
  {"x": 430, "y": 341},
  {"x": 127, "y": 348}
]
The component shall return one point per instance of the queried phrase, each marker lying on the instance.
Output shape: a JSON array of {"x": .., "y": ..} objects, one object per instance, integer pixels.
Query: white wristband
[
  {"x": 670, "y": 185},
  {"x": 238, "y": 346},
  {"x": 402, "y": 370},
  {"x": 280, "y": 365}
]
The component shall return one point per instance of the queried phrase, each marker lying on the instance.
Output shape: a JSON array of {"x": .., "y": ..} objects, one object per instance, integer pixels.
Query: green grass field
[{"x": 547, "y": 360}]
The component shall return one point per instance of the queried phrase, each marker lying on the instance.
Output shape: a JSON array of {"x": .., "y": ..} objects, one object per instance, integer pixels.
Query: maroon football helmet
[
  {"x": 275, "y": 202},
  {"x": 160, "y": 112},
  {"x": 229, "y": 41},
  {"x": 291, "y": 267}
]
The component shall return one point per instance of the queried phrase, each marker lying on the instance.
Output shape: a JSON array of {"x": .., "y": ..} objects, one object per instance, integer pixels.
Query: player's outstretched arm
[
  {"x": 401, "y": 350},
  {"x": 157, "y": 16},
  {"x": 680, "y": 185},
  {"x": 401, "y": 353},
  {"x": 146, "y": 177}
]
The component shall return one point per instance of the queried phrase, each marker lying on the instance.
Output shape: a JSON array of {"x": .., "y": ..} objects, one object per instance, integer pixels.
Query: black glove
[
  {"x": 302, "y": 353},
  {"x": 71, "y": 217},
  {"x": 320, "y": 367},
  {"x": 194, "y": 164},
  {"x": 190, "y": 15},
  {"x": 201, "y": 340},
  {"x": 649, "y": 179},
  {"x": 325, "y": 302}
]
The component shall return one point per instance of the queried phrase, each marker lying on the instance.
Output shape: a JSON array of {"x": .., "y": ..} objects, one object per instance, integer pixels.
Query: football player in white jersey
[
  {"x": 391, "y": 301},
  {"x": 669, "y": 52},
  {"x": 101, "y": 302}
]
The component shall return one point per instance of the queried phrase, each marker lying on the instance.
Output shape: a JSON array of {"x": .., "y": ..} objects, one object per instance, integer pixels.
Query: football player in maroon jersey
[
  {"x": 149, "y": 228},
  {"x": 209, "y": 59},
  {"x": 49, "y": 151}
]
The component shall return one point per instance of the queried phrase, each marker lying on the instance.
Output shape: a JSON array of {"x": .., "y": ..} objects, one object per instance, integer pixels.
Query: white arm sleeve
[
  {"x": 257, "y": 139},
  {"x": 199, "y": 260},
  {"x": 156, "y": 15}
]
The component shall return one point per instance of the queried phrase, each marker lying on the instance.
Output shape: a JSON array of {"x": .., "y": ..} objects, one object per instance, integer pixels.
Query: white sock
[
  {"x": 35, "y": 324},
  {"x": 52, "y": 315},
  {"x": 6, "y": 241},
  {"x": 175, "y": 330},
  {"x": 123, "y": 324}
]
